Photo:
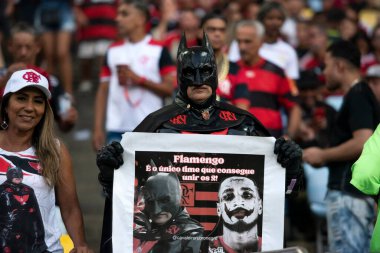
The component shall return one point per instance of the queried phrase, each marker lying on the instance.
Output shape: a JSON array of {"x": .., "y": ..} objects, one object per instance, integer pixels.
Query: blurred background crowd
[{"x": 69, "y": 41}]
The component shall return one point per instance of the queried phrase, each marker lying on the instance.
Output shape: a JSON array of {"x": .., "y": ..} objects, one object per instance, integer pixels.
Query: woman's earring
[{"x": 4, "y": 125}]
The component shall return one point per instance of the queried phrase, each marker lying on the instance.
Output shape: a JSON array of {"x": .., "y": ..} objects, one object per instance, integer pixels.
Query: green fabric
[{"x": 366, "y": 178}]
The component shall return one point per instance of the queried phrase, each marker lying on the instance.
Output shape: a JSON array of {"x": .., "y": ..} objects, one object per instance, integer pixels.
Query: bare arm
[
  {"x": 168, "y": 9},
  {"x": 12, "y": 68},
  {"x": 160, "y": 30},
  {"x": 80, "y": 18},
  {"x": 69, "y": 204},
  {"x": 294, "y": 121},
  {"x": 9, "y": 8},
  {"x": 348, "y": 150},
  {"x": 163, "y": 89},
  {"x": 99, "y": 117}
]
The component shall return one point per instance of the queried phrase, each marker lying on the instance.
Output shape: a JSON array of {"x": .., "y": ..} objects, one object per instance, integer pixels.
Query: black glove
[
  {"x": 289, "y": 155},
  {"x": 108, "y": 158}
]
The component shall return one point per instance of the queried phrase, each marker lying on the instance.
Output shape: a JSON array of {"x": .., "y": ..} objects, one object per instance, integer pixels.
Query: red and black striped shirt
[
  {"x": 266, "y": 89},
  {"x": 101, "y": 17}
]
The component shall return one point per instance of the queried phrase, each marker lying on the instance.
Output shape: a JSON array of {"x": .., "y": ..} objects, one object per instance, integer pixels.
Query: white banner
[{"x": 232, "y": 193}]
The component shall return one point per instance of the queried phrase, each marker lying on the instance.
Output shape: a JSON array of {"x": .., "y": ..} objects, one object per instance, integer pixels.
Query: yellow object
[
  {"x": 66, "y": 243},
  {"x": 307, "y": 13},
  {"x": 369, "y": 18}
]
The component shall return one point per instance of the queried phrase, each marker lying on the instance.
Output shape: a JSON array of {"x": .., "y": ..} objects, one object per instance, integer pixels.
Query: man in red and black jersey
[
  {"x": 196, "y": 110},
  {"x": 262, "y": 87}
]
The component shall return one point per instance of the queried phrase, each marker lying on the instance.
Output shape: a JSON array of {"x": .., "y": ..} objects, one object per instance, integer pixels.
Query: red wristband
[{"x": 141, "y": 80}]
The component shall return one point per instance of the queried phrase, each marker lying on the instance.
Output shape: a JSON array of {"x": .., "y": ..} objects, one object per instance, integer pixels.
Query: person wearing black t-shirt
[{"x": 350, "y": 213}]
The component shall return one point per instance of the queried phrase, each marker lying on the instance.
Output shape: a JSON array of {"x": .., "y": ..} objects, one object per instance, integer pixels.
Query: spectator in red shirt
[
  {"x": 262, "y": 87},
  {"x": 313, "y": 60},
  {"x": 96, "y": 30},
  {"x": 188, "y": 22}
]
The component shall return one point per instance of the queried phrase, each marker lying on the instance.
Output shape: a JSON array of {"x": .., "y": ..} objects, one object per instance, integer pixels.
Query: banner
[{"x": 181, "y": 193}]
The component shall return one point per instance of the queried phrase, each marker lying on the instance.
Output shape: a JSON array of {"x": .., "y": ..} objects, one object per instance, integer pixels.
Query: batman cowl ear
[
  {"x": 206, "y": 43},
  {"x": 182, "y": 46},
  {"x": 153, "y": 172},
  {"x": 174, "y": 175}
]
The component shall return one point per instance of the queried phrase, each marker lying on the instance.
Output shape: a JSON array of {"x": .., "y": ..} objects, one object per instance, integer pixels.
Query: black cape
[{"x": 154, "y": 120}]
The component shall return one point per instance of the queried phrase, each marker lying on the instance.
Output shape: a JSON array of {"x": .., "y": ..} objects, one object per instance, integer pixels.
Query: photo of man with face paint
[
  {"x": 239, "y": 208},
  {"x": 163, "y": 223}
]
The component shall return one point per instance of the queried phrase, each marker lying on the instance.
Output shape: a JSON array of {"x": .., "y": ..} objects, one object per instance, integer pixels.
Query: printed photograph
[{"x": 205, "y": 201}]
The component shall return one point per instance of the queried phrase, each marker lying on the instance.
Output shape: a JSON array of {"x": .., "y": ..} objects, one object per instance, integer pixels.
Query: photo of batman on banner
[
  {"x": 195, "y": 110},
  {"x": 162, "y": 221}
]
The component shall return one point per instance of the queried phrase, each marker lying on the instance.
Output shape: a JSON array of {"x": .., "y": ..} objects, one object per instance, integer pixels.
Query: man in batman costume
[{"x": 195, "y": 110}]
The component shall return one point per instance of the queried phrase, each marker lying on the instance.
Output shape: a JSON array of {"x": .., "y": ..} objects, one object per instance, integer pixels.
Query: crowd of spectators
[{"x": 281, "y": 44}]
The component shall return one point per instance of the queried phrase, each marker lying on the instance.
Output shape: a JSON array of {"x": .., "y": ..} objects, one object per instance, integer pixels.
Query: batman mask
[
  {"x": 196, "y": 67},
  {"x": 14, "y": 172},
  {"x": 162, "y": 194}
]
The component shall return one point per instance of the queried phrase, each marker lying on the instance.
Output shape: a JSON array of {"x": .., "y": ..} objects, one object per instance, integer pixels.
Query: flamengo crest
[
  {"x": 227, "y": 116},
  {"x": 31, "y": 77}
]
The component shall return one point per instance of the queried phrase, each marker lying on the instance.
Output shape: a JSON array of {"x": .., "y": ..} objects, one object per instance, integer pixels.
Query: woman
[{"x": 34, "y": 163}]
